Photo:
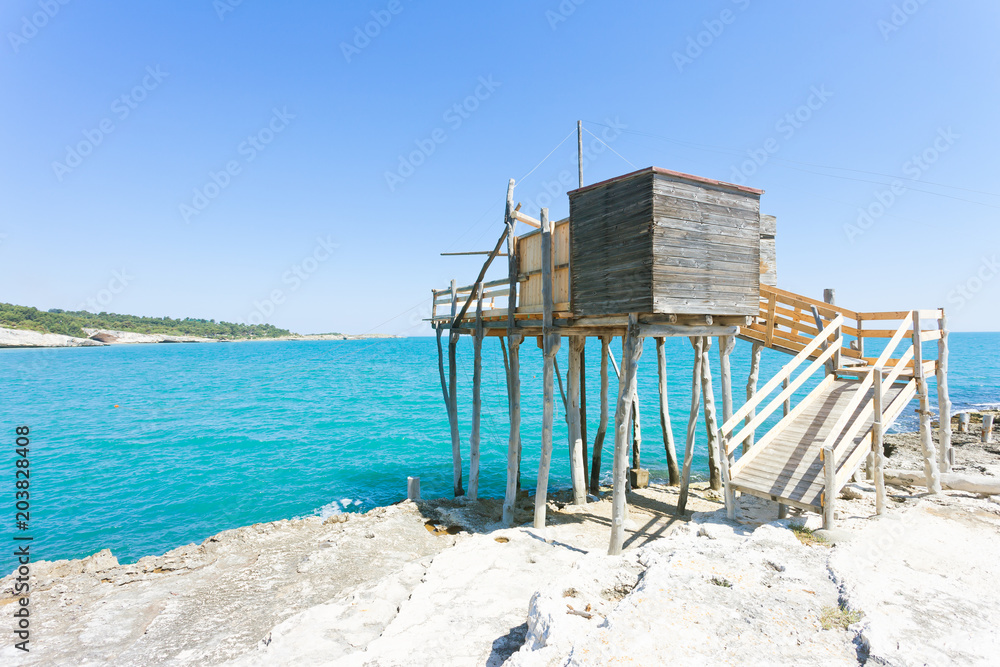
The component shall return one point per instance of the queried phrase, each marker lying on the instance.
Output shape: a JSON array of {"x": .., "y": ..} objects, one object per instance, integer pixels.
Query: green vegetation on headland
[{"x": 72, "y": 323}]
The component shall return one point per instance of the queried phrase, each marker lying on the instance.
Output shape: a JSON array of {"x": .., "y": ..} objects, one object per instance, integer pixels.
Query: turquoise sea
[{"x": 144, "y": 448}]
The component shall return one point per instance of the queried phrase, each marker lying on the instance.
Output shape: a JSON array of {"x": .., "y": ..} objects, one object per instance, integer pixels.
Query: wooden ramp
[{"x": 788, "y": 469}]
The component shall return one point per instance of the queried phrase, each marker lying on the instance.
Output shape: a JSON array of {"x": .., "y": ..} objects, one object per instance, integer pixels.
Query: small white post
[
  {"x": 987, "y": 428},
  {"x": 963, "y": 422},
  {"x": 413, "y": 488}
]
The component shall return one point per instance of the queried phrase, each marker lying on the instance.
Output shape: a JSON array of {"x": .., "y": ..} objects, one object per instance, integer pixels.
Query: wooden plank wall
[
  {"x": 706, "y": 245},
  {"x": 611, "y": 247},
  {"x": 768, "y": 251},
  {"x": 529, "y": 250}
]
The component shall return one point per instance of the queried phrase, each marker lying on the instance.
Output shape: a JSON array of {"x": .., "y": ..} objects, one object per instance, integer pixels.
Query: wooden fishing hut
[{"x": 656, "y": 254}]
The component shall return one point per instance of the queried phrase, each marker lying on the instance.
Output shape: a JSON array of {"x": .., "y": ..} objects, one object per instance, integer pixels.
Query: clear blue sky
[{"x": 310, "y": 116}]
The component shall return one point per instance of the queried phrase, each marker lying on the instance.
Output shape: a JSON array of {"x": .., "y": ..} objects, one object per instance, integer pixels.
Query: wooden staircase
[{"x": 806, "y": 458}]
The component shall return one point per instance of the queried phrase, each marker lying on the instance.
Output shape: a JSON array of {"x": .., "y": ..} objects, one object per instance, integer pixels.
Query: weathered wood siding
[
  {"x": 768, "y": 251},
  {"x": 660, "y": 242},
  {"x": 706, "y": 246},
  {"x": 611, "y": 247},
  {"x": 529, "y": 250}
]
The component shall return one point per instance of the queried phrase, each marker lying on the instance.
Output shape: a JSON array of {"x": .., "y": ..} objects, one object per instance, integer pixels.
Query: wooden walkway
[{"x": 788, "y": 469}]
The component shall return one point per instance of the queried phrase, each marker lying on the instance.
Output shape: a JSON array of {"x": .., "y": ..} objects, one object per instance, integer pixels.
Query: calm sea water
[{"x": 144, "y": 448}]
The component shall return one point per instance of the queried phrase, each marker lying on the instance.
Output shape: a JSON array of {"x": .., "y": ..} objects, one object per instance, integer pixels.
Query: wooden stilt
[
  {"x": 514, "y": 374},
  {"x": 602, "y": 427},
  {"x": 878, "y": 452},
  {"x": 787, "y": 405},
  {"x": 583, "y": 410},
  {"x": 444, "y": 383},
  {"x": 577, "y": 475},
  {"x": 931, "y": 470},
  {"x": 636, "y": 434},
  {"x": 477, "y": 404},
  {"x": 829, "y": 487},
  {"x": 456, "y": 442},
  {"x": 550, "y": 345},
  {"x": 513, "y": 442},
  {"x": 711, "y": 423},
  {"x": 633, "y": 350},
  {"x": 506, "y": 374},
  {"x": 752, "y": 391},
  {"x": 548, "y": 408},
  {"x": 986, "y": 434},
  {"x": 673, "y": 470},
  {"x": 946, "y": 456},
  {"x": 726, "y": 345},
  {"x": 696, "y": 342}
]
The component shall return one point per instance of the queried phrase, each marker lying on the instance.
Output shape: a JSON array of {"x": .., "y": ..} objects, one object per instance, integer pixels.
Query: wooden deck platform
[{"x": 788, "y": 469}]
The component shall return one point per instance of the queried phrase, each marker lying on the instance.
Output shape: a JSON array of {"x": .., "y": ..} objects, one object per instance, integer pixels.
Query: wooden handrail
[
  {"x": 785, "y": 372},
  {"x": 897, "y": 405},
  {"x": 479, "y": 280},
  {"x": 778, "y": 400},
  {"x": 890, "y": 347}
]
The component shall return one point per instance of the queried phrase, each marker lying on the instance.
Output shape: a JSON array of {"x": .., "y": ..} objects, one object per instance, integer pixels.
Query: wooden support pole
[
  {"x": 946, "y": 455},
  {"x": 878, "y": 449},
  {"x": 931, "y": 470},
  {"x": 752, "y": 391},
  {"x": 477, "y": 404},
  {"x": 829, "y": 486},
  {"x": 583, "y": 409},
  {"x": 514, "y": 374},
  {"x": 987, "y": 433},
  {"x": 577, "y": 473},
  {"x": 692, "y": 429},
  {"x": 550, "y": 345},
  {"x": 602, "y": 427},
  {"x": 548, "y": 408},
  {"x": 711, "y": 422},
  {"x": 963, "y": 422},
  {"x": 787, "y": 406},
  {"x": 673, "y": 469},
  {"x": 514, "y": 440},
  {"x": 456, "y": 441},
  {"x": 579, "y": 149},
  {"x": 633, "y": 350},
  {"x": 413, "y": 488},
  {"x": 726, "y": 345},
  {"x": 636, "y": 433}
]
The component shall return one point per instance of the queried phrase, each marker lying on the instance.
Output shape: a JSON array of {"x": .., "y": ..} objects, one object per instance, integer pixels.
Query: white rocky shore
[
  {"x": 441, "y": 583},
  {"x": 98, "y": 337}
]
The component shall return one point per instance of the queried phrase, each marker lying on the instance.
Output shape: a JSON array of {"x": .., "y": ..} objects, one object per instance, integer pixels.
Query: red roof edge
[{"x": 675, "y": 174}]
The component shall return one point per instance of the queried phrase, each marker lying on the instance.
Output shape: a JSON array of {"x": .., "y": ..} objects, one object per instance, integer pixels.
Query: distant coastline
[{"x": 24, "y": 338}]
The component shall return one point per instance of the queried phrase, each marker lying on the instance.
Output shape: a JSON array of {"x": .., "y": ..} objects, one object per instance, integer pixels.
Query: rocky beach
[{"x": 441, "y": 582}]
